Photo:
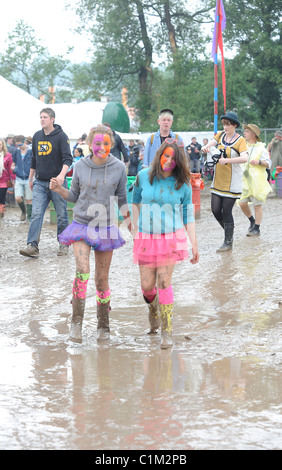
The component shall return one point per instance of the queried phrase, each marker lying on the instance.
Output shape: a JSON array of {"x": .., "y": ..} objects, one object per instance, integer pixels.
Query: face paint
[
  {"x": 101, "y": 145},
  {"x": 168, "y": 152}
]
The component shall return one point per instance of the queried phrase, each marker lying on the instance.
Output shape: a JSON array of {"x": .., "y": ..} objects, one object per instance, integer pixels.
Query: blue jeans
[{"x": 42, "y": 195}]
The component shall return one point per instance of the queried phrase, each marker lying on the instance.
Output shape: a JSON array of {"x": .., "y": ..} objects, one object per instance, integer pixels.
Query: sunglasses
[{"x": 170, "y": 140}]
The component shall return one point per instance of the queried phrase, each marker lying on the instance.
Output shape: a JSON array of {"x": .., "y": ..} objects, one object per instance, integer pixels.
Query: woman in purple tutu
[
  {"x": 98, "y": 180},
  {"x": 162, "y": 200}
]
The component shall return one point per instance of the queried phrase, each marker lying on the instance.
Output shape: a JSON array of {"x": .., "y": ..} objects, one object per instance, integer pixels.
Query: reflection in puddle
[{"x": 219, "y": 387}]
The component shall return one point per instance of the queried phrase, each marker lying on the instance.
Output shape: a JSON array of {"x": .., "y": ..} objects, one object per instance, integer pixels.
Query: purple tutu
[{"x": 99, "y": 238}]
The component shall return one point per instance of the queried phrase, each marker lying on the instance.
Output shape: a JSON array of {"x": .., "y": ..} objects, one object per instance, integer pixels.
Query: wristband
[{"x": 259, "y": 162}]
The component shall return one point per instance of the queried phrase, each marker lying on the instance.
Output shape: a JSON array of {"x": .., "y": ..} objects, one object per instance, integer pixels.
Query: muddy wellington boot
[
  {"x": 154, "y": 319},
  {"x": 78, "y": 306},
  {"x": 103, "y": 327},
  {"x": 166, "y": 312},
  {"x": 23, "y": 210},
  {"x": 228, "y": 238}
]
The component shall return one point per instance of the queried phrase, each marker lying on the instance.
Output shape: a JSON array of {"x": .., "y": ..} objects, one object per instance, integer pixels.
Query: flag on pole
[{"x": 219, "y": 26}]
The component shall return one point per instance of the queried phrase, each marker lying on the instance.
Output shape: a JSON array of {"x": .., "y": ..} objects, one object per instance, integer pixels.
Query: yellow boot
[{"x": 166, "y": 313}]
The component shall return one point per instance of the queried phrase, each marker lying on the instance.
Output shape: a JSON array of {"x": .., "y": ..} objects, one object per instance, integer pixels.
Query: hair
[
  {"x": 48, "y": 111},
  {"x": 4, "y": 146},
  {"x": 19, "y": 138},
  {"x": 100, "y": 129},
  {"x": 181, "y": 171},
  {"x": 166, "y": 114},
  {"x": 224, "y": 121},
  {"x": 79, "y": 149}
]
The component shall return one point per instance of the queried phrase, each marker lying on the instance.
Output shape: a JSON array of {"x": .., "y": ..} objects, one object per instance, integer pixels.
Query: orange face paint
[
  {"x": 101, "y": 145},
  {"x": 168, "y": 152}
]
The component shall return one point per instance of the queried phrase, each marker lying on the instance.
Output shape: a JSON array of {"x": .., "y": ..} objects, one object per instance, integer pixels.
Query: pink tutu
[
  {"x": 155, "y": 250},
  {"x": 100, "y": 239}
]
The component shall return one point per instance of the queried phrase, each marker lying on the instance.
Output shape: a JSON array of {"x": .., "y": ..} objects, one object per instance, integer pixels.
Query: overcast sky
[{"x": 53, "y": 24}]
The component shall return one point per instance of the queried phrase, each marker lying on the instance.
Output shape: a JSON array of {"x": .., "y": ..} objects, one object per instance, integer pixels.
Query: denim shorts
[{"x": 22, "y": 189}]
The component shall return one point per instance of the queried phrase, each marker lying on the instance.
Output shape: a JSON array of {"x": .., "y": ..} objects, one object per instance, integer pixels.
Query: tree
[{"x": 257, "y": 33}]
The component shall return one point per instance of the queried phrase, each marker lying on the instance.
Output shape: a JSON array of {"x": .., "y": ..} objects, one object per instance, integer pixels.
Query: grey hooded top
[{"x": 95, "y": 188}]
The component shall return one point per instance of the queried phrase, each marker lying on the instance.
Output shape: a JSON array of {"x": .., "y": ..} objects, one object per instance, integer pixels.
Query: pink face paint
[
  {"x": 168, "y": 152},
  {"x": 101, "y": 145}
]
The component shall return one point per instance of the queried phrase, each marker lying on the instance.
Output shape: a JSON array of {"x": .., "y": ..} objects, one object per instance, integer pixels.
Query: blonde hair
[
  {"x": 166, "y": 114},
  {"x": 4, "y": 146},
  {"x": 100, "y": 129}
]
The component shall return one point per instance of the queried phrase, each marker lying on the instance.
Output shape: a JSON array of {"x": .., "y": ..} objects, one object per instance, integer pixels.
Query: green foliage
[{"x": 158, "y": 51}]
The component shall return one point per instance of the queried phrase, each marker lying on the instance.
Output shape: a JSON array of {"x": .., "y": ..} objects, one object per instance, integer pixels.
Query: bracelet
[{"x": 259, "y": 162}]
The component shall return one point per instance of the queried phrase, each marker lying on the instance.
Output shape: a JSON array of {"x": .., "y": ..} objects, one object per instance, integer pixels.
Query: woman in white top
[{"x": 255, "y": 184}]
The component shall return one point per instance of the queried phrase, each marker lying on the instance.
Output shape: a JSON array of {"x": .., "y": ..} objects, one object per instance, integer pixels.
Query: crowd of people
[{"x": 161, "y": 219}]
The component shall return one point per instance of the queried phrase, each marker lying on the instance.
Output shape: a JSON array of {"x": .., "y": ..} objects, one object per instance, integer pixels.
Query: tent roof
[
  {"x": 20, "y": 110},
  {"x": 78, "y": 118}
]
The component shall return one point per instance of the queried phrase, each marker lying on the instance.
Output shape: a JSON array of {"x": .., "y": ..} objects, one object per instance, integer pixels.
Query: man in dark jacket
[
  {"x": 194, "y": 151},
  {"x": 119, "y": 146},
  {"x": 51, "y": 158},
  {"x": 133, "y": 158}
]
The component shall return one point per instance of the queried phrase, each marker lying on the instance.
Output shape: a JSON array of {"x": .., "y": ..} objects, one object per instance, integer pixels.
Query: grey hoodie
[{"x": 94, "y": 189}]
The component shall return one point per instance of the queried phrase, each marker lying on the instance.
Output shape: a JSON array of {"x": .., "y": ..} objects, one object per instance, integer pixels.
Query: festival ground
[{"x": 218, "y": 388}]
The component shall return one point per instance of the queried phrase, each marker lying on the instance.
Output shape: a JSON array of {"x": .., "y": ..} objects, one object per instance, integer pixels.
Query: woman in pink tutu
[
  {"x": 162, "y": 202},
  {"x": 97, "y": 180}
]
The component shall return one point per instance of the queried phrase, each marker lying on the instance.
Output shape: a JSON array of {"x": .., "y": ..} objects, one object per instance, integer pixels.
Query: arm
[
  {"x": 242, "y": 159},
  {"x": 56, "y": 186},
  {"x": 66, "y": 158},
  {"x": 191, "y": 231},
  {"x": 146, "y": 153}
]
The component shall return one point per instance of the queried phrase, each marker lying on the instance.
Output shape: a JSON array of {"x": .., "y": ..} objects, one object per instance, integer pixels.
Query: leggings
[
  {"x": 3, "y": 195},
  {"x": 221, "y": 207}
]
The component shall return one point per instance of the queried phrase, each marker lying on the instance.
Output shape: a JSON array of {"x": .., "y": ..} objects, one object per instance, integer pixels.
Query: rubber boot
[
  {"x": 2, "y": 210},
  {"x": 78, "y": 306},
  {"x": 103, "y": 327},
  {"x": 166, "y": 312},
  {"x": 228, "y": 238},
  {"x": 29, "y": 211},
  {"x": 154, "y": 319},
  {"x": 23, "y": 209}
]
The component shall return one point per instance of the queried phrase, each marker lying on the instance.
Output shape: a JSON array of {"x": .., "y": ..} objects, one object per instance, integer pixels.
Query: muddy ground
[{"x": 218, "y": 388}]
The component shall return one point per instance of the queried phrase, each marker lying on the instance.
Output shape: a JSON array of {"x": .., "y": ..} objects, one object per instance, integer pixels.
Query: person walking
[
  {"x": 226, "y": 185},
  {"x": 154, "y": 142},
  {"x": 21, "y": 168},
  {"x": 162, "y": 203},
  {"x": 255, "y": 184},
  {"x": 51, "y": 157},
  {"x": 6, "y": 174},
  {"x": 97, "y": 180}
]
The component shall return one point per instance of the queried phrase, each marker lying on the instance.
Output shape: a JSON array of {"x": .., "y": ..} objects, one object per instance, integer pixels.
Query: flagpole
[{"x": 215, "y": 127}]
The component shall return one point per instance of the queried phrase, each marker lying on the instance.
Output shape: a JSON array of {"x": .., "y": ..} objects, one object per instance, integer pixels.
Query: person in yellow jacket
[{"x": 255, "y": 184}]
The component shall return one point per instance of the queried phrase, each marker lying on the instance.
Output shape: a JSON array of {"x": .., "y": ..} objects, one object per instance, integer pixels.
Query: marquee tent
[{"x": 19, "y": 110}]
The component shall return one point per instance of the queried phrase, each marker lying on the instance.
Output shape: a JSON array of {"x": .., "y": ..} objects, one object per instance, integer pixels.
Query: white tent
[
  {"x": 19, "y": 110},
  {"x": 78, "y": 118}
]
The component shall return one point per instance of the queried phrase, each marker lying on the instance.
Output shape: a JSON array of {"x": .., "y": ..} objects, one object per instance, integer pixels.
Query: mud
[{"x": 218, "y": 388}]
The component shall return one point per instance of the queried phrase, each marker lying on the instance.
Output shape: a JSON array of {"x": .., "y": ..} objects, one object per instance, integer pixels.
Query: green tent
[{"x": 116, "y": 115}]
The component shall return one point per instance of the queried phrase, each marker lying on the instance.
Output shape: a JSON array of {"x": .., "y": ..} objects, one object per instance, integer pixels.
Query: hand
[
  {"x": 223, "y": 161},
  {"x": 60, "y": 179},
  {"x": 55, "y": 184},
  {"x": 195, "y": 254},
  {"x": 254, "y": 162}
]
